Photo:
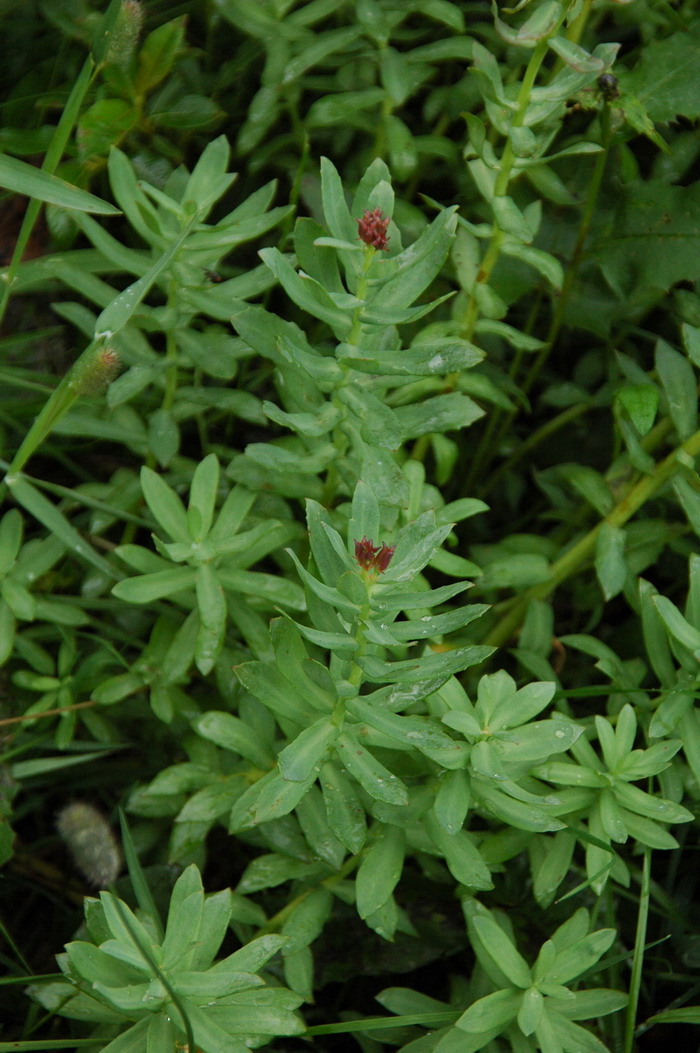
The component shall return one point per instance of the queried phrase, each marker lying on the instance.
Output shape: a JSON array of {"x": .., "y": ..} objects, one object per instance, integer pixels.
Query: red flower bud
[
  {"x": 372, "y": 228},
  {"x": 373, "y": 558}
]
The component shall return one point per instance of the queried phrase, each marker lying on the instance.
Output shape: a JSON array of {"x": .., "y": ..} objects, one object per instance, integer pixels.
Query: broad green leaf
[
  {"x": 203, "y": 493},
  {"x": 649, "y": 833},
  {"x": 267, "y": 683},
  {"x": 590, "y": 484},
  {"x": 45, "y": 765},
  {"x": 103, "y": 125},
  {"x": 691, "y": 342},
  {"x": 272, "y": 869},
  {"x": 418, "y": 732},
  {"x": 537, "y": 27},
  {"x": 346, "y": 817},
  {"x": 501, "y": 948},
  {"x": 402, "y": 145},
  {"x": 303, "y": 755},
  {"x": 211, "y": 603},
  {"x": 341, "y": 644},
  {"x": 531, "y": 1010},
  {"x": 209, "y": 179},
  {"x": 515, "y": 813},
  {"x": 393, "y": 598},
  {"x": 365, "y": 517},
  {"x": 680, "y": 385},
  {"x": 55, "y": 522},
  {"x": 11, "y": 532},
  {"x": 263, "y": 587},
  {"x": 158, "y": 53},
  {"x": 428, "y": 666},
  {"x": 335, "y": 209},
  {"x": 545, "y": 263},
  {"x": 305, "y": 922},
  {"x": 313, "y": 425},
  {"x": 438, "y": 624},
  {"x": 313, "y": 820},
  {"x": 378, "y": 424},
  {"x": 22, "y": 178},
  {"x": 511, "y": 220},
  {"x": 610, "y": 564},
  {"x": 411, "y": 271},
  {"x": 190, "y": 111},
  {"x": 327, "y": 593},
  {"x": 664, "y": 253},
  {"x": 641, "y": 402},
  {"x": 579, "y": 59},
  {"x": 690, "y": 501},
  {"x": 270, "y": 798},
  {"x": 438, "y": 357},
  {"x": 254, "y": 955},
  {"x": 493, "y": 1011},
  {"x": 415, "y": 544},
  {"x": 673, "y": 705},
  {"x": 117, "y": 313},
  {"x": 380, "y": 870},
  {"x": 163, "y": 436},
  {"x": 678, "y": 627},
  {"x": 452, "y": 801},
  {"x": 439, "y": 414},
  {"x": 662, "y": 78},
  {"x": 553, "y": 867},
  {"x": 611, "y": 817},
  {"x": 311, "y": 678},
  {"x": 578, "y": 958},
  {"x": 324, "y": 44},
  {"x": 395, "y": 75},
  {"x": 232, "y": 733},
  {"x": 305, "y": 292},
  {"x": 465, "y": 862},
  {"x": 689, "y": 1014},
  {"x": 165, "y": 506},
  {"x": 378, "y": 781},
  {"x": 657, "y": 808},
  {"x": 235, "y": 508},
  {"x": 7, "y": 631},
  {"x": 342, "y": 106}
]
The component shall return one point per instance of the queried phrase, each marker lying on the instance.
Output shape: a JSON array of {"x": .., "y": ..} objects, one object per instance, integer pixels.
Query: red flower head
[
  {"x": 372, "y": 228},
  {"x": 373, "y": 558}
]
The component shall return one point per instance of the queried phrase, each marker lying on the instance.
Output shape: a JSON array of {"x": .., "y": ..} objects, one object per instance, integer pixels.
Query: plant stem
[
  {"x": 638, "y": 956},
  {"x": 484, "y": 450},
  {"x": 572, "y": 560},
  {"x": 57, "y": 146},
  {"x": 577, "y": 255},
  {"x": 499, "y": 425},
  {"x": 26, "y": 718}
]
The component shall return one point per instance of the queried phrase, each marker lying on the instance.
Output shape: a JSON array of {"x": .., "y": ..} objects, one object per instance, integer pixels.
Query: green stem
[
  {"x": 69, "y": 390},
  {"x": 484, "y": 451},
  {"x": 499, "y": 425},
  {"x": 638, "y": 956},
  {"x": 55, "y": 152},
  {"x": 356, "y": 673},
  {"x": 340, "y": 439},
  {"x": 503, "y": 180},
  {"x": 581, "y": 552},
  {"x": 277, "y": 920},
  {"x": 577, "y": 255}
]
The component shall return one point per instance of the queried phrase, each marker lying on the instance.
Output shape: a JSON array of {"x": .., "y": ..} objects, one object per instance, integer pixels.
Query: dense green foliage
[{"x": 261, "y": 435}]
